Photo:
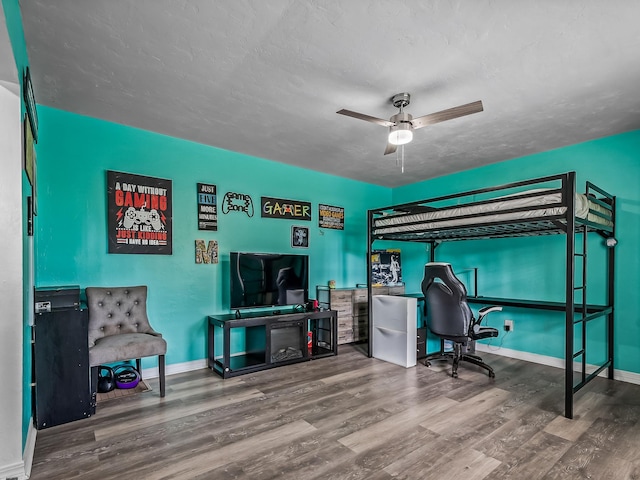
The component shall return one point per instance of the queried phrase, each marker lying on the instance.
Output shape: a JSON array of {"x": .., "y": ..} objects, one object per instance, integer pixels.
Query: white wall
[{"x": 11, "y": 463}]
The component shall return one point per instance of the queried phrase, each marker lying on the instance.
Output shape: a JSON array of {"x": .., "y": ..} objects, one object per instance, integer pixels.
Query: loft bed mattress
[{"x": 493, "y": 212}]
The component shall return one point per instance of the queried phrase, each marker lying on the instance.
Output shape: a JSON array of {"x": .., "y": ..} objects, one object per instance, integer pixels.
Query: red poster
[{"x": 139, "y": 211}]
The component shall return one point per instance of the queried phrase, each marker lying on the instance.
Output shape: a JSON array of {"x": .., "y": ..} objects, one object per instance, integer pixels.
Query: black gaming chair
[{"x": 450, "y": 318}]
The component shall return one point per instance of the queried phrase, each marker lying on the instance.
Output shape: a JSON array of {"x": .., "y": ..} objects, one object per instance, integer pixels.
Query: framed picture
[
  {"x": 30, "y": 104},
  {"x": 29, "y": 160},
  {"x": 386, "y": 267},
  {"x": 299, "y": 237},
  {"x": 207, "y": 207},
  {"x": 331, "y": 217},
  {"x": 139, "y": 212}
]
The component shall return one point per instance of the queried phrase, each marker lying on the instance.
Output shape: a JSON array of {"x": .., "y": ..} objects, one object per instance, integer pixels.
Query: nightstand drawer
[
  {"x": 361, "y": 295},
  {"x": 338, "y": 296},
  {"x": 361, "y": 308}
]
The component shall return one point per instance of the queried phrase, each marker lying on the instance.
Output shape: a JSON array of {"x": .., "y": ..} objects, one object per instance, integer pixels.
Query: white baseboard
[
  {"x": 22, "y": 470},
  {"x": 622, "y": 375},
  {"x": 175, "y": 368},
  {"x": 14, "y": 470},
  {"x": 625, "y": 376},
  {"x": 29, "y": 448}
]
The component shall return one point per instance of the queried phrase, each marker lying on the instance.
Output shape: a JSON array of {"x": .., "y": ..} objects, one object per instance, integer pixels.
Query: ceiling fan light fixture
[
  {"x": 402, "y": 124},
  {"x": 400, "y": 134}
]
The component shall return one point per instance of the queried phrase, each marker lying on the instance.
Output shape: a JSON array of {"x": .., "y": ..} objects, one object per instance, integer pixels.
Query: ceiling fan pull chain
[{"x": 402, "y": 158}]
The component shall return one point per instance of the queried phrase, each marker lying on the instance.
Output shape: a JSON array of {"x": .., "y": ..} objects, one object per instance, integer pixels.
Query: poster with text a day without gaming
[{"x": 139, "y": 212}]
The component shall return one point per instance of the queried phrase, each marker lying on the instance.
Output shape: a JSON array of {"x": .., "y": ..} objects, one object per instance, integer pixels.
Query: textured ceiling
[{"x": 266, "y": 78}]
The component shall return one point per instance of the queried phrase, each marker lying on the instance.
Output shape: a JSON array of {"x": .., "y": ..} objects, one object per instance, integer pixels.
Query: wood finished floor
[{"x": 353, "y": 417}]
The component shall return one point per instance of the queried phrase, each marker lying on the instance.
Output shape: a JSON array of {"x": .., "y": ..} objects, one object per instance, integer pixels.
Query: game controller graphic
[
  {"x": 142, "y": 217},
  {"x": 153, "y": 217},
  {"x": 238, "y": 202}
]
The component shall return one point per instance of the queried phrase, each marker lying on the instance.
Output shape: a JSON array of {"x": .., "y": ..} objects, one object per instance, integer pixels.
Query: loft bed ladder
[{"x": 573, "y": 290}]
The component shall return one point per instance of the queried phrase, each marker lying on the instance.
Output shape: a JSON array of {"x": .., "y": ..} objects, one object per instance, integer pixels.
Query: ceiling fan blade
[
  {"x": 368, "y": 118},
  {"x": 448, "y": 114},
  {"x": 391, "y": 148}
]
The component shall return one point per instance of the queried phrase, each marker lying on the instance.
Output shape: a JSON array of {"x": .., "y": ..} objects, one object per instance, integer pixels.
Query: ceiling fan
[{"x": 402, "y": 124}]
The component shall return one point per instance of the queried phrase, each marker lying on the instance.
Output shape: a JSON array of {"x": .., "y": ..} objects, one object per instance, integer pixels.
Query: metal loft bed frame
[{"x": 543, "y": 206}]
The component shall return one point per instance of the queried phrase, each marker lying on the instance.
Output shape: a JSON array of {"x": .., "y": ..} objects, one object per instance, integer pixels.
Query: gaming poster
[
  {"x": 330, "y": 217},
  {"x": 207, "y": 207},
  {"x": 139, "y": 214}
]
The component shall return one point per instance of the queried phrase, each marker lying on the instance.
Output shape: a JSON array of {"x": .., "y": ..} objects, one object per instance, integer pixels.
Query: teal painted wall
[
  {"x": 13, "y": 18},
  {"x": 533, "y": 268},
  {"x": 74, "y": 153},
  {"x": 11, "y": 9}
]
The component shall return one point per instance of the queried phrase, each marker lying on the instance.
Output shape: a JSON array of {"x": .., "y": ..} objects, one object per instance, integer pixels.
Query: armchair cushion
[{"x": 126, "y": 346}]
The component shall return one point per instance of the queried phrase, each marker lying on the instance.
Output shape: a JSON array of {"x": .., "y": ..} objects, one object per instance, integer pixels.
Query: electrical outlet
[{"x": 508, "y": 325}]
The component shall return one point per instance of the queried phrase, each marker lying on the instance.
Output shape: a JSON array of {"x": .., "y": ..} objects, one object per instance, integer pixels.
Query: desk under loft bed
[{"x": 543, "y": 206}]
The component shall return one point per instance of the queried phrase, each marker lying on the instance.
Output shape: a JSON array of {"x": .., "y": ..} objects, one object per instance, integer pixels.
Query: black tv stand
[{"x": 258, "y": 341}]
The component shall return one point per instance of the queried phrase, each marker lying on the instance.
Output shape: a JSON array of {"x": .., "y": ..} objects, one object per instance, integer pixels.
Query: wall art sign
[
  {"x": 207, "y": 254},
  {"x": 207, "y": 207},
  {"x": 299, "y": 237},
  {"x": 29, "y": 159},
  {"x": 283, "y": 208},
  {"x": 139, "y": 214},
  {"x": 330, "y": 217},
  {"x": 237, "y": 202},
  {"x": 30, "y": 103},
  {"x": 385, "y": 267}
]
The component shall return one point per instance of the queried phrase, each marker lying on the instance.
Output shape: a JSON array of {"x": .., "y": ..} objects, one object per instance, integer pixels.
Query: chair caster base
[
  {"x": 476, "y": 360},
  {"x": 470, "y": 358}
]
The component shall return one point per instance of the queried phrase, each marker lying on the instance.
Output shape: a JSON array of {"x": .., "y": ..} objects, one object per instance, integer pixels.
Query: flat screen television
[{"x": 268, "y": 279}]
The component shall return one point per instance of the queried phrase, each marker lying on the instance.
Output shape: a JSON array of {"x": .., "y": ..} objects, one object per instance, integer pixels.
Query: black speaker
[{"x": 106, "y": 381}]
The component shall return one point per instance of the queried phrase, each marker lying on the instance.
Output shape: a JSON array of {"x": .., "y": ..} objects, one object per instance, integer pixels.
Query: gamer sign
[{"x": 282, "y": 208}]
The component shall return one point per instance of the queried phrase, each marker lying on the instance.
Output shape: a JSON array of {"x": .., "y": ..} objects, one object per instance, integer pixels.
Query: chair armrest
[
  {"x": 154, "y": 333},
  {"x": 484, "y": 311}
]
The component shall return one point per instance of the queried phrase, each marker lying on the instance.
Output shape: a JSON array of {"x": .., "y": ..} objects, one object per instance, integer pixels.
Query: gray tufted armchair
[{"x": 119, "y": 329}]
